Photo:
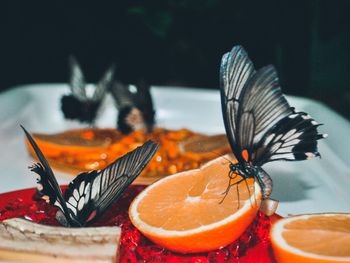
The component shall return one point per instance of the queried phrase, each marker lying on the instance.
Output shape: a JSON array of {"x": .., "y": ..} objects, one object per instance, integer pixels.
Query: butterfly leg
[
  {"x": 237, "y": 190},
  {"x": 229, "y": 183},
  {"x": 228, "y": 186}
]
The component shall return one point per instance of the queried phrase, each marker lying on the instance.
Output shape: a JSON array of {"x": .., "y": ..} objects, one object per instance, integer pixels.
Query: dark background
[{"x": 168, "y": 42}]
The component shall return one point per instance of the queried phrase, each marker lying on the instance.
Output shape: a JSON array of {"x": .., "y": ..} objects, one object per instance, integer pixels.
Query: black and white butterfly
[
  {"x": 90, "y": 193},
  {"x": 80, "y": 105},
  {"x": 260, "y": 125},
  {"x": 135, "y": 106}
]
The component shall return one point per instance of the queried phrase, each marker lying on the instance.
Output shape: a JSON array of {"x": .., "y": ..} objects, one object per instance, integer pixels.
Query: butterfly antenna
[
  {"x": 215, "y": 153},
  {"x": 223, "y": 157}
]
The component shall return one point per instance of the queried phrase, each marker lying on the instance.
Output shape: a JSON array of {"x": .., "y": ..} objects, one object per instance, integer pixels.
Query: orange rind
[
  {"x": 314, "y": 238},
  {"x": 186, "y": 212}
]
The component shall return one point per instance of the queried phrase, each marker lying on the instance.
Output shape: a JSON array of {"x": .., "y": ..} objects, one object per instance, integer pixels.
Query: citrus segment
[
  {"x": 187, "y": 212},
  {"x": 312, "y": 238},
  {"x": 204, "y": 146}
]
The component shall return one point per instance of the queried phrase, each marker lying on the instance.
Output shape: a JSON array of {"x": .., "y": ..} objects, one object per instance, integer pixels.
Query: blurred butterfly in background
[
  {"x": 80, "y": 105},
  {"x": 91, "y": 193},
  {"x": 135, "y": 106},
  {"x": 260, "y": 125}
]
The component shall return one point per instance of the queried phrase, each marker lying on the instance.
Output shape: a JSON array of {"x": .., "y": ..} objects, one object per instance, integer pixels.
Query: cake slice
[{"x": 26, "y": 241}]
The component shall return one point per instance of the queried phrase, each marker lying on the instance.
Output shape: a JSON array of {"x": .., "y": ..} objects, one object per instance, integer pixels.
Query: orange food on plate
[
  {"x": 312, "y": 238},
  {"x": 187, "y": 212},
  {"x": 92, "y": 149}
]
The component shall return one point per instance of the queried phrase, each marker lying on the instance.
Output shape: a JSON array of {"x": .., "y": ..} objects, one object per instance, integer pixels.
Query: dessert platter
[{"x": 173, "y": 182}]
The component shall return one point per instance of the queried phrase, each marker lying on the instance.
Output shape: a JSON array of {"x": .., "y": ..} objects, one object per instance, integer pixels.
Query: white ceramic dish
[{"x": 318, "y": 185}]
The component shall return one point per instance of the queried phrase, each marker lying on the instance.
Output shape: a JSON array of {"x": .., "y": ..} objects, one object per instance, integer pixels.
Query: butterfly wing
[
  {"x": 259, "y": 122},
  {"x": 235, "y": 70},
  {"x": 293, "y": 138},
  {"x": 90, "y": 194},
  {"x": 47, "y": 184},
  {"x": 262, "y": 105},
  {"x": 122, "y": 95},
  {"x": 77, "y": 81},
  {"x": 103, "y": 85}
]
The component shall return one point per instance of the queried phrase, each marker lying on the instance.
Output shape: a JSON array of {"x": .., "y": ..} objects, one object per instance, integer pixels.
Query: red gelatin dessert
[{"x": 253, "y": 245}]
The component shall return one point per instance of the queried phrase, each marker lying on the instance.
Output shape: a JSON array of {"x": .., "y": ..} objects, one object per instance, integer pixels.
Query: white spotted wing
[
  {"x": 260, "y": 124},
  {"x": 90, "y": 193}
]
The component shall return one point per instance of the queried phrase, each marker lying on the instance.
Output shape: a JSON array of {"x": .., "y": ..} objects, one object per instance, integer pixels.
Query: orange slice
[
  {"x": 312, "y": 238},
  {"x": 76, "y": 141},
  {"x": 75, "y": 151},
  {"x": 186, "y": 212}
]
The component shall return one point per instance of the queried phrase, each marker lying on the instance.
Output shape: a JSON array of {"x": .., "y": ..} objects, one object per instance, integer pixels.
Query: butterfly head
[{"x": 245, "y": 170}]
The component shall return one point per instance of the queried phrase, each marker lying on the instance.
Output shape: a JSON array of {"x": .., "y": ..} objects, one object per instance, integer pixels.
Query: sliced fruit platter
[
  {"x": 88, "y": 149},
  {"x": 209, "y": 210}
]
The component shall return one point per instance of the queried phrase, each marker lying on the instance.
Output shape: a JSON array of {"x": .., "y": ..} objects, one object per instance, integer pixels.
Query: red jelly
[{"x": 252, "y": 246}]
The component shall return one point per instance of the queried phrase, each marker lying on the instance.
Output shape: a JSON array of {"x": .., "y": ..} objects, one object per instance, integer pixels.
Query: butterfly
[
  {"x": 260, "y": 124},
  {"x": 135, "y": 106},
  {"x": 90, "y": 193},
  {"x": 80, "y": 104}
]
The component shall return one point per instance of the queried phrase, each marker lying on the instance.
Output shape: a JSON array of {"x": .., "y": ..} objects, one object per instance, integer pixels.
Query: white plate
[{"x": 320, "y": 185}]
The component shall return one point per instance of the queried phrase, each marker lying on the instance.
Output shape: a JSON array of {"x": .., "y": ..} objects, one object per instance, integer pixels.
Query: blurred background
[{"x": 169, "y": 42}]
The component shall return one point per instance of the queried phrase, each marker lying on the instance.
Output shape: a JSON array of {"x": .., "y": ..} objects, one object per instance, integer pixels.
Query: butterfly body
[
  {"x": 247, "y": 170},
  {"x": 135, "y": 106},
  {"x": 260, "y": 124},
  {"x": 84, "y": 111}
]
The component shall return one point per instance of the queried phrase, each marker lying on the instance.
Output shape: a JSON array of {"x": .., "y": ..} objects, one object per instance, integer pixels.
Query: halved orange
[
  {"x": 186, "y": 212},
  {"x": 312, "y": 238}
]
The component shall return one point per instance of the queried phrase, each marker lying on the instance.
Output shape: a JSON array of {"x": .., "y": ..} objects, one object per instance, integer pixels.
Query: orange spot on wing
[{"x": 245, "y": 155}]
